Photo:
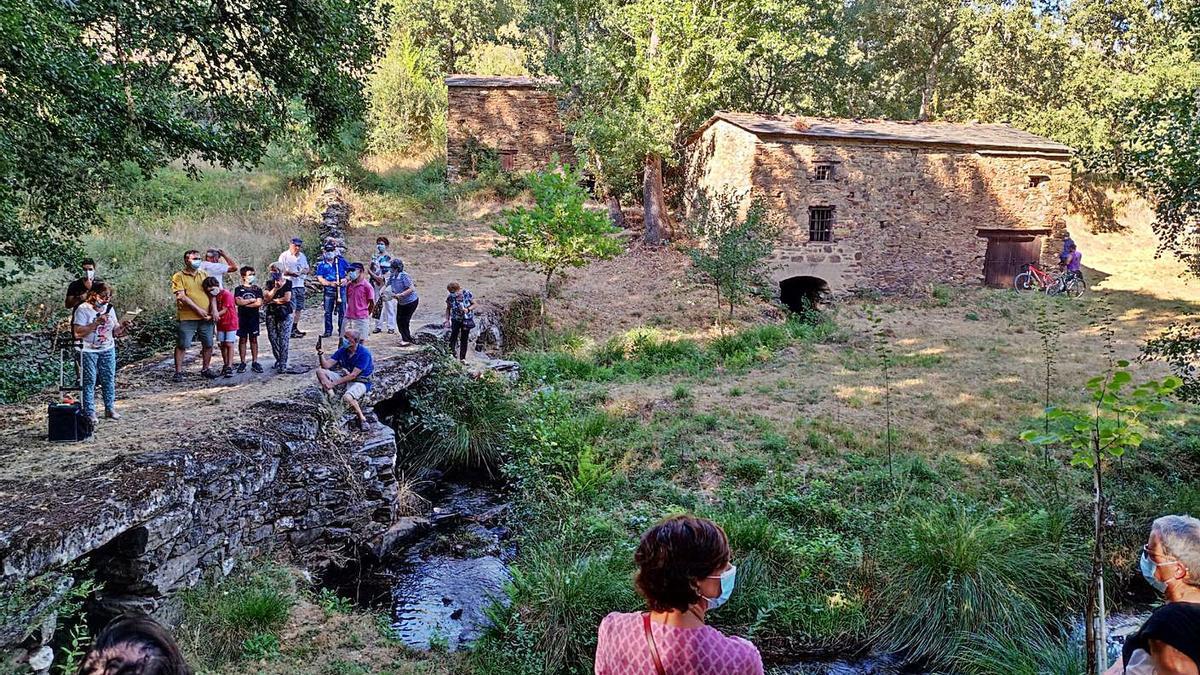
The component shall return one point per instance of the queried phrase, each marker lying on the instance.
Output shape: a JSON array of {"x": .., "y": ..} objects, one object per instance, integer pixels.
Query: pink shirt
[
  {"x": 622, "y": 649},
  {"x": 359, "y": 296}
]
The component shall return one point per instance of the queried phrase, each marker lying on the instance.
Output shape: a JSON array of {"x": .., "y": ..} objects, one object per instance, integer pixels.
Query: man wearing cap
[
  {"x": 213, "y": 267},
  {"x": 331, "y": 272},
  {"x": 295, "y": 267}
]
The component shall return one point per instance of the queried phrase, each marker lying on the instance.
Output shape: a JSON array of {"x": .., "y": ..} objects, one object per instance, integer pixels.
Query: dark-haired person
[
  {"x": 352, "y": 365},
  {"x": 1169, "y": 642},
  {"x": 331, "y": 273},
  {"x": 249, "y": 299},
  {"x": 684, "y": 572},
  {"x": 191, "y": 313},
  {"x": 78, "y": 289},
  {"x": 381, "y": 263},
  {"x": 460, "y": 318},
  {"x": 94, "y": 323},
  {"x": 134, "y": 645},
  {"x": 224, "y": 312},
  {"x": 360, "y": 297},
  {"x": 278, "y": 299}
]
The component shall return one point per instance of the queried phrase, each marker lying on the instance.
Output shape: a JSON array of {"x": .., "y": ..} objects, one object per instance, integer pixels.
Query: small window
[
  {"x": 1036, "y": 180},
  {"x": 508, "y": 159},
  {"x": 824, "y": 172},
  {"x": 820, "y": 223}
]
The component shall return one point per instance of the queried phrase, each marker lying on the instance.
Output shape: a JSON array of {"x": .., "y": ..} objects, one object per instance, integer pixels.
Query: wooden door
[{"x": 1007, "y": 256}]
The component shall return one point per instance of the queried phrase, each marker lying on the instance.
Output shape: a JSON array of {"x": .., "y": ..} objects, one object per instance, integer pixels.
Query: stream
[{"x": 438, "y": 589}]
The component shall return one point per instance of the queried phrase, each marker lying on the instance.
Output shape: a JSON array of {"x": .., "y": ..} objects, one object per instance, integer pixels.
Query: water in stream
[{"x": 440, "y": 587}]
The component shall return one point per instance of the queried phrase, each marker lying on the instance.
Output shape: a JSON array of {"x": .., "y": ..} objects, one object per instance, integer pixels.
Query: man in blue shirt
[
  {"x": 352, "y": 366},
  {"x": 331, "y": 272}
]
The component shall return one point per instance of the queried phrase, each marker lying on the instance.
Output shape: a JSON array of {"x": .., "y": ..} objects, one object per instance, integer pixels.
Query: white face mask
[
  {"x": 214, "y": 291},
  {"x": 250, "y": 280},
  {"x": 90, "y": 274}
]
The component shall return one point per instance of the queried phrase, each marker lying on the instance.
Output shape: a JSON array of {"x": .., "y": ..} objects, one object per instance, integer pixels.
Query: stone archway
[{"x": 803, "y": 293}]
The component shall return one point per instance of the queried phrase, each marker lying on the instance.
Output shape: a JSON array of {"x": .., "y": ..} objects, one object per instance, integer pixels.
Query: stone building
[
  {"x": 888, "y": 205},
  {"x": 514, "y": 117}
]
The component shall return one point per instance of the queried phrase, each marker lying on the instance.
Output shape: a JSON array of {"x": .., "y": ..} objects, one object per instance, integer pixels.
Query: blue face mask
[
  {"x": 728, "y": 580},
  {"x": 1149, "y": 567},
  {"x": 381, "y": 247},
  {"x": 353, "y": 274},
  {"x": 250, "y": 280},
  {"x": 195, "y": 263}
]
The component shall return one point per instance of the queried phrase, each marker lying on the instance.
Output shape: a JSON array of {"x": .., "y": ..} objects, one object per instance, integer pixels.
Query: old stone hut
[
  {"x": 888, "y": 205},
  {"x": 514, "y": 117}
]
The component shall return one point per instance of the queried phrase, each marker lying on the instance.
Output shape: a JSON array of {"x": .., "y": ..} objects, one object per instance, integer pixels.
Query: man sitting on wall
[{"x": 351, "y": 365}]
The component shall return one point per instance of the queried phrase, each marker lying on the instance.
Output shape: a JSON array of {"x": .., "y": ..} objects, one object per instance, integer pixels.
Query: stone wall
[
  {"x": 904, "y": 216},
  {"x": 147, "y": 525},
  {"x": 522, "y": 119}
]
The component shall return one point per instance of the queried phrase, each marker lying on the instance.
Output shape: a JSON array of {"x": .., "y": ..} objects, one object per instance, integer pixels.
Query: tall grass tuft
[
  {"x": 955, "y": 572},
  {"x": 456, "y": 421},
  {"x": 224, "y": 621},
  {"x": 1001, "y": 652}
]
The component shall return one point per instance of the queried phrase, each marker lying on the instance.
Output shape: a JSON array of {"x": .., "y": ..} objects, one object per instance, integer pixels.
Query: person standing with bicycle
[{"x": 1074, "y": 263}]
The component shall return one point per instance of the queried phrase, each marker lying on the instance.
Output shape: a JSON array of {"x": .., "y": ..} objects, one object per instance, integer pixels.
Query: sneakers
[
  {"x": 112, "y": 414},
  {"x": 298, "y": 333},
  {"x": 177, "y": 377},
  {"x": 256, "y": 367},
  {"x": 325, "y": 335},
  {"x": 241, "y": 367},
  {"x": 379, "y": 330},
  {"x": 93, "y": 419},
  {"x": 208, "y": 374},
  {"x": 227, "y": 372},
  {"x": 390, "y": 331},
  {"x": 357, "y": 424}
]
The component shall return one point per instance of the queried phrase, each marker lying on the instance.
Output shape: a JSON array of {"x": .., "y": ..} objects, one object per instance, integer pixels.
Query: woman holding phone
[{"x": 94, "y": 323}]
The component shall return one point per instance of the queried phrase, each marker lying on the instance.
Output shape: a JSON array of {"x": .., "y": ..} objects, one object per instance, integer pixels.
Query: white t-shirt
[
  {"x": 293, "y": 263},
  {"x": 216, "y": 269},
  {"x": 101, "y": 339}
]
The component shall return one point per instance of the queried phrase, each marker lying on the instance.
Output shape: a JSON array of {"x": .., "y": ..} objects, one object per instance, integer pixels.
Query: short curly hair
[{"x": 674, "y": 556}]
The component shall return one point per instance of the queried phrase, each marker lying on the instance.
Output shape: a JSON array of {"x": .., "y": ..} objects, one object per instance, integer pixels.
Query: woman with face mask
[
  {"x": 684, "y": 572},
  {"x": 96, "y": 327},
  {"x": 1169, "y": 642}
]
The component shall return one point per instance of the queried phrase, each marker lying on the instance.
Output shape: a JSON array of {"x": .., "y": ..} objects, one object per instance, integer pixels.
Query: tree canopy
[{"x": 91, "y": 88}]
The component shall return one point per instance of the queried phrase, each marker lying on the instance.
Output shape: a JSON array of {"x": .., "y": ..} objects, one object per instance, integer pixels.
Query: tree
[
  {"x": 732, "y": 250},
  {"x": 452, "y": 28},
  {"x": 1113, "y": 426},
  {"x": 559, "y": 231},
  {"x": 90, "y": 87},
  {"x": 656, "y": 69}
]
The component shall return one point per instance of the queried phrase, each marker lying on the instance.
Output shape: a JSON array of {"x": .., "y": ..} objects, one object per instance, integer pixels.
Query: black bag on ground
[{"x": 67, "y": 422}]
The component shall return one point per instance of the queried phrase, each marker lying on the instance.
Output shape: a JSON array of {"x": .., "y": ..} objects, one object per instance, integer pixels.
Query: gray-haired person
[{"x": 1169, "y": 641}]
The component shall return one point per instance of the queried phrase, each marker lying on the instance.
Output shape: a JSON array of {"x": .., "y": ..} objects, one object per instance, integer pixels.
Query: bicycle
[{"x": 1036, "y": 279}]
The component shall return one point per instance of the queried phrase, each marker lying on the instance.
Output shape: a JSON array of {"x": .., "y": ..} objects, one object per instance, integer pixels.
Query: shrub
[
  {"x": 456, "y": 421},
  {"x": 954, "y": 572},
  {"x": 1000, "y": 652}
]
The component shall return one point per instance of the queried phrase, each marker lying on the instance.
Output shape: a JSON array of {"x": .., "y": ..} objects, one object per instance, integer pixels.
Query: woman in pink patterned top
[{"x": 683, "y": 572}]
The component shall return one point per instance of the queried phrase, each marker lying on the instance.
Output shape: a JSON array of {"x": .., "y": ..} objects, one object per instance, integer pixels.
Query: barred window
[
  {"x": 824, "y": 172},
  {"x": 820, "y": 223}
]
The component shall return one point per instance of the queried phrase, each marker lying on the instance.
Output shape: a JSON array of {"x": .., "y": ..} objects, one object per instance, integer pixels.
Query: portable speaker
[{"x": 67, "y": 422}]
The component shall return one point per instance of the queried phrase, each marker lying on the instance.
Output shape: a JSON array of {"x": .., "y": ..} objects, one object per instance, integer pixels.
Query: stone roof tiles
[
  {"x": 499, "y": 81},
  {"x": 972, "y": 135}
]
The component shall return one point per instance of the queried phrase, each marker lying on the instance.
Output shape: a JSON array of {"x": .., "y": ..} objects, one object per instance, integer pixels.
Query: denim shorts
[
  {"x": 194, "y": 327},
  {"x": 298, "y": 297},
  {"x": 229, "y": 336}
]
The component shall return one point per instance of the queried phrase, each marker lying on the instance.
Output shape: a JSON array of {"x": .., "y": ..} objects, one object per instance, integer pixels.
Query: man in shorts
[
  {"x": 191, "y": 314},
  {"x": 214, "y": 267},
  {"x": 249, "y": 299},
  {"x": 352, "y": 365}
]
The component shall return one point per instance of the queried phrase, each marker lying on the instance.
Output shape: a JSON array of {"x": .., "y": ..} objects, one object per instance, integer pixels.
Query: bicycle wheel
[
  {"x": 1075, "y": 287},
  {"x": 1025, "y": 281}
]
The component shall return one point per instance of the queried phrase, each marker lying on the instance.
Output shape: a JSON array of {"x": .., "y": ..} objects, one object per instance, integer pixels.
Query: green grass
[
  {"x": 238, "y": 618},
  {"x": 645, "y": 353}
]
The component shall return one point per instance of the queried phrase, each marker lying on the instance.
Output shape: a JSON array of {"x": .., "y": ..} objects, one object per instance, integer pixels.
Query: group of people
[
  {"x": 685, "y": 570},
  {"x": 364, "y": 299}
]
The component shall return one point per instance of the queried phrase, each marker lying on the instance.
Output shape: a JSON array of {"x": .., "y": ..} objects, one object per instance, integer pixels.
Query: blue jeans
[
  {"x": 102, "y": 367},
  {"x": 330, "y": 298}
]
